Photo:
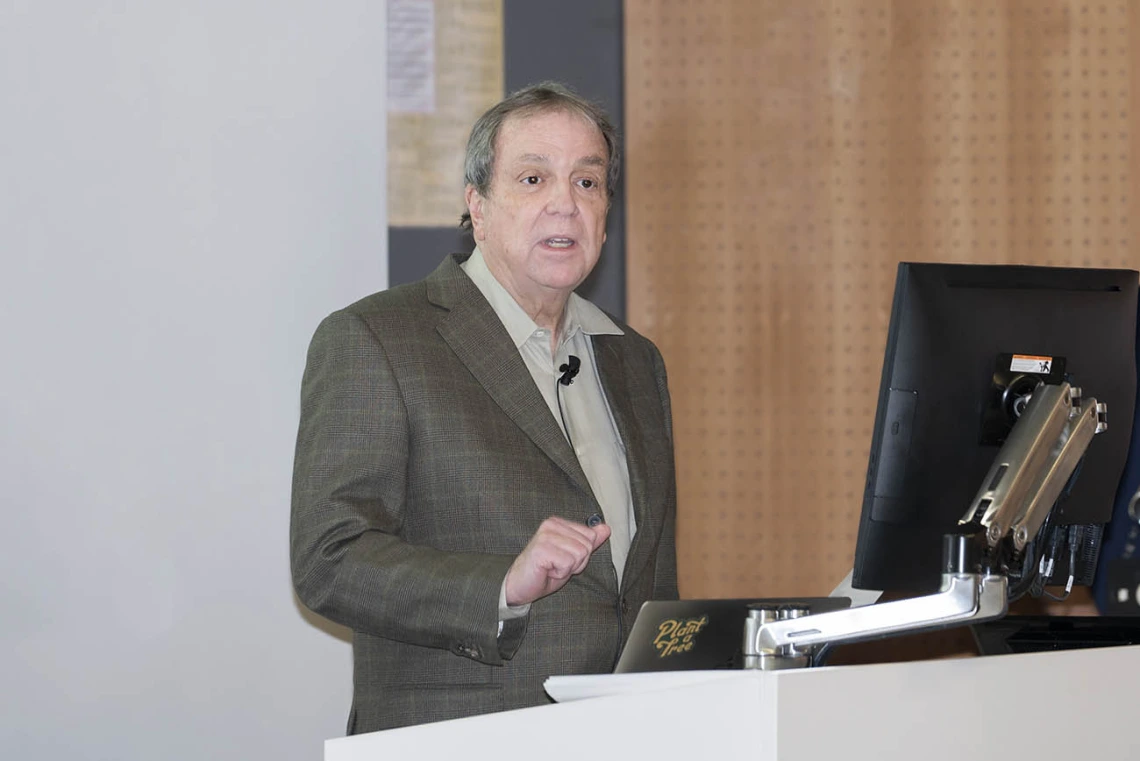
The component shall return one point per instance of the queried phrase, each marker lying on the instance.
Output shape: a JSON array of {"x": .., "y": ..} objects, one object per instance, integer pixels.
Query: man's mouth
[{"x": 559, "y": 242}]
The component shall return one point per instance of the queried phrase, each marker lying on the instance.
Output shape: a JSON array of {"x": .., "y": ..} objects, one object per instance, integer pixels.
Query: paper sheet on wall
[
  {"x": 411, "y": 56},
  {"x": 445, "y": 68}
]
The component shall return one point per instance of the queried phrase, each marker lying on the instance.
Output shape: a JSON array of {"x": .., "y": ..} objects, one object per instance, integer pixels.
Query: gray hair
[{"x": 545, "y": 97}]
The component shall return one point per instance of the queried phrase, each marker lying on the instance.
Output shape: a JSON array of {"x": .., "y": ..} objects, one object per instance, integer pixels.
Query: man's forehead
[{"x": 511, "y": 141}]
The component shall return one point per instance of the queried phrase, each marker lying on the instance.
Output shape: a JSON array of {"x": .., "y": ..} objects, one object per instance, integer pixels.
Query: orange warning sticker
[{"x": 1028, "y": 363}]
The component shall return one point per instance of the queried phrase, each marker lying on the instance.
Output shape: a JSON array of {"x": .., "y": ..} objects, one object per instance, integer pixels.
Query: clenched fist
[{"x": 558, "y": 550}]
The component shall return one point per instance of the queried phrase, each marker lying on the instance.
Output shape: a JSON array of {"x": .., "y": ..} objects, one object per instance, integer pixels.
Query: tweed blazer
[{"x": 426, "y": 459}]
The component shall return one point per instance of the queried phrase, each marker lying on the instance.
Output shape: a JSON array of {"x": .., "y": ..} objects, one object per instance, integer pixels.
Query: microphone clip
[{"x": 569, "y": 370}]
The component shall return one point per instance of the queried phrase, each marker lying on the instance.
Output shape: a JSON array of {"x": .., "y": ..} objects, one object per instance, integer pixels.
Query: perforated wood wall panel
[{"x": 783, "y": 157}]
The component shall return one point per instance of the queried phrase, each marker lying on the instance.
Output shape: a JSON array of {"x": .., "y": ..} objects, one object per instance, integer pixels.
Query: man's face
[{"x": 543, "y": 222}]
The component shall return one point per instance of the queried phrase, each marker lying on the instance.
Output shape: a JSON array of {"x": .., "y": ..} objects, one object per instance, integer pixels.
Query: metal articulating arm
[{"x": 1025, "y": 480}]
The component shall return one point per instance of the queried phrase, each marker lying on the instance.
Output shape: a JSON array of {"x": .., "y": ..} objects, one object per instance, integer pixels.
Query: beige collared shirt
[{"x": 580, "y": 409}]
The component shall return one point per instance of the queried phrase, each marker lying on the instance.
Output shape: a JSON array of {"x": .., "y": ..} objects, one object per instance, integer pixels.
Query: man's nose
[{"x": 561, "y": 199}]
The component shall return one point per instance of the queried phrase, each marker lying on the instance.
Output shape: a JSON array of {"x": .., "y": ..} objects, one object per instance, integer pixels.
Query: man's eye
[
  {"x": 530, "y": 180},
  {"x": 587, "y": 183}
]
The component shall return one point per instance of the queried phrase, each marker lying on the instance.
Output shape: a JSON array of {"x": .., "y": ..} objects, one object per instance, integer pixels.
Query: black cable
[
  {"x": 561, "y": 414},
  {"x": 819, "y": 657}
]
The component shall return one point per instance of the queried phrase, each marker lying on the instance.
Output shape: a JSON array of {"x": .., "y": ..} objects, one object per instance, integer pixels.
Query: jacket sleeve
[{"x": 350, "y": 493}]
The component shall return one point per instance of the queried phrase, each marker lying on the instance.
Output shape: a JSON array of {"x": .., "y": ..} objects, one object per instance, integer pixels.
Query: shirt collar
[{"x": 580, "y": 313}]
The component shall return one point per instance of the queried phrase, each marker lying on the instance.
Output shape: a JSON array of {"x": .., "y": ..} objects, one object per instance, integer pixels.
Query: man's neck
[
  {"x": 547, "y": 308},
  {"x": 547, "y": 316}
]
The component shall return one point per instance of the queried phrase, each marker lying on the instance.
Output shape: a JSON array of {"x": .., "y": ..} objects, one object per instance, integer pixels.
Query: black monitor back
[{"x": 950, "y": 323}]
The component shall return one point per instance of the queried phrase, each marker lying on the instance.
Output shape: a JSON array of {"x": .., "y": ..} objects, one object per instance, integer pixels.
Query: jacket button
[
  {"x": 624, "y": 606},
  {"x": 470, "y": 651}
]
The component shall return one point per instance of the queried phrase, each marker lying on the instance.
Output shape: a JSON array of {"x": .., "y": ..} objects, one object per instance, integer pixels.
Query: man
[{"x": 483, "y": 488}]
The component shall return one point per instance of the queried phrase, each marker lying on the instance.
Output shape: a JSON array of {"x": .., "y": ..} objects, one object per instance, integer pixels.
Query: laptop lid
[{"x": 683, "y": 635}]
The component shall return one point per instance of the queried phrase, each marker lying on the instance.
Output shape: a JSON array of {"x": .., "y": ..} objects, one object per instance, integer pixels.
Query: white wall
[{"x": 185, "y": 189}]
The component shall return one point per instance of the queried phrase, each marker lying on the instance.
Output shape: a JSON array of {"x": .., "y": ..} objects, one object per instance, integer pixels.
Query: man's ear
[{"x": 475, "y": 209}]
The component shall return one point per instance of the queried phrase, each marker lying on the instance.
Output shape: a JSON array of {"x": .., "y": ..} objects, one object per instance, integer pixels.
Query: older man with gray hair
[{"x": 484, "y": 488}]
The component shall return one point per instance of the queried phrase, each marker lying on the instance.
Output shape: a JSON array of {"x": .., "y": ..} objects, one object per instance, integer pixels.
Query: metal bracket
[{"x": 1035, "y": 463}]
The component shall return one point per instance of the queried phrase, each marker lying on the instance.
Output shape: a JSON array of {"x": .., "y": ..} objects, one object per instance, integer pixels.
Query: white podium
[{"x": 1077, "y": 704}]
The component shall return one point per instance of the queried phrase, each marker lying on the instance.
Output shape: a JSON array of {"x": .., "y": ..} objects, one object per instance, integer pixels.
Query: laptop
[
  {"x": 1035, "y": 634},
  {"x": 684, "y": 635}
]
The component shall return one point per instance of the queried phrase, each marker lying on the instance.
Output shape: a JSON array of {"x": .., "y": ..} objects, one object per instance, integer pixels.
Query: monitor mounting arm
[
  {"x": 1034, "y": 465},
  {"x": 1022, "y": 486}
]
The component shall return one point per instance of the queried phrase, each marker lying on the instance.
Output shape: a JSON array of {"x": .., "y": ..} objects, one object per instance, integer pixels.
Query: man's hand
[{"x": 558, "y": 550}]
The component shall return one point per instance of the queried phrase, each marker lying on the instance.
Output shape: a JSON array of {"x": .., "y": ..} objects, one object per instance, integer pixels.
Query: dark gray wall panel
[{"x": 413, "y": 252}]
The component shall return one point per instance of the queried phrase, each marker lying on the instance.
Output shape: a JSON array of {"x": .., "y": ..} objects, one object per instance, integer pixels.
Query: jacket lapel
[
  {"x": 480, "y": 341},
  {"x": 619, "y": 393}
]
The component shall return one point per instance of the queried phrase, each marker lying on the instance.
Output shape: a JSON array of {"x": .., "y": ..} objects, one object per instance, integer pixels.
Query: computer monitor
[{"x": 966, "y": 344}]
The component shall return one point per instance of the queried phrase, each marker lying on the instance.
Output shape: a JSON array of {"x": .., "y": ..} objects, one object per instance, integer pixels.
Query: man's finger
[{"x": 561, "y": 526}]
